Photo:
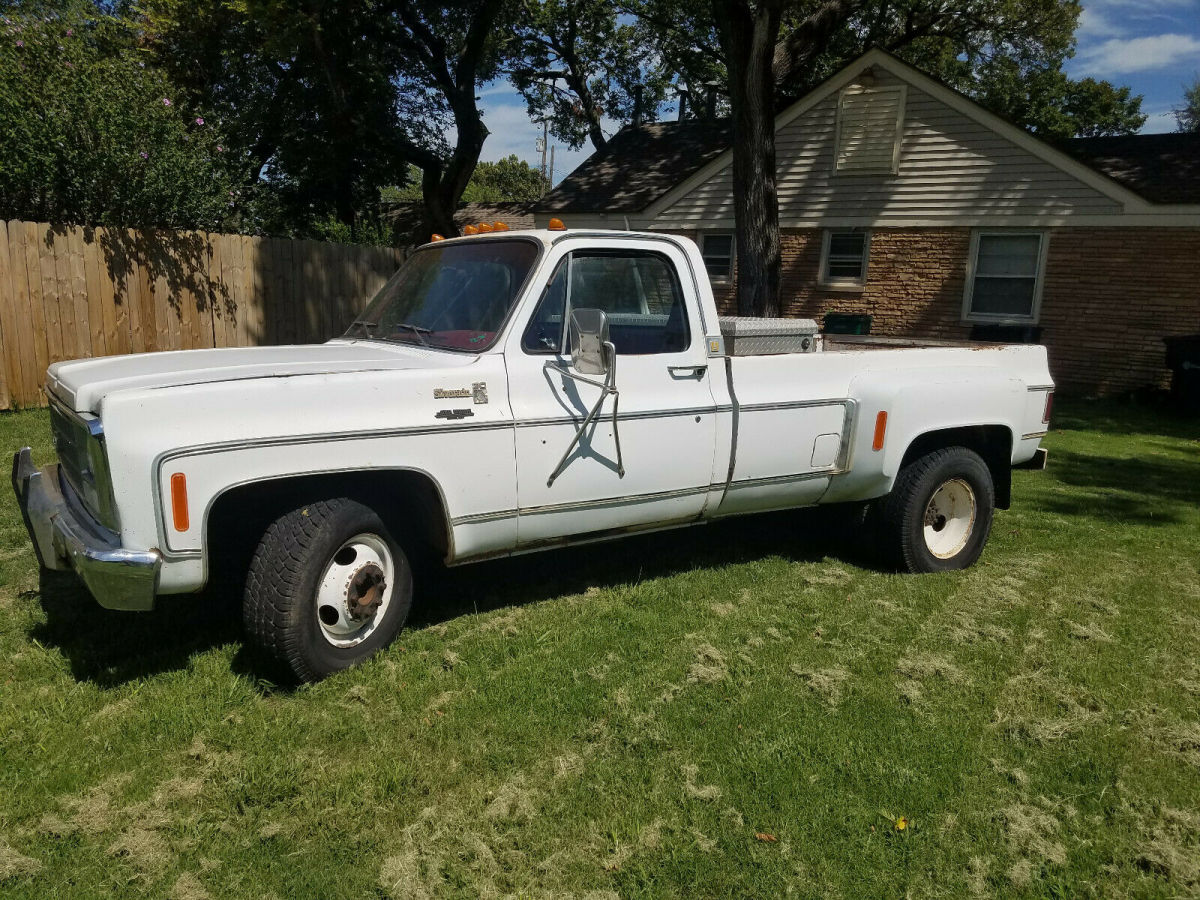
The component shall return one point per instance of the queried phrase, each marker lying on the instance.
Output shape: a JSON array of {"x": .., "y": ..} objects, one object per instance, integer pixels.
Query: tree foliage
[
  {"x": 1188, "y": 115},
  {"x": 576, "y": 63},
  {"x": 507, "y": 180},
  {"x": 91, "y": 134}
]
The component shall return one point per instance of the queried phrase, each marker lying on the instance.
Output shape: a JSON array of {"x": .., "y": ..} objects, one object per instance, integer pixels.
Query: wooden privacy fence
[{"x": 68, "y": 292}]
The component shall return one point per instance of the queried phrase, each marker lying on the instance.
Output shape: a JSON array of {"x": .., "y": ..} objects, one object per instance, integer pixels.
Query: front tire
[
  {"x": 328, "y": 587},
  {"x": 939, "y": 514}
]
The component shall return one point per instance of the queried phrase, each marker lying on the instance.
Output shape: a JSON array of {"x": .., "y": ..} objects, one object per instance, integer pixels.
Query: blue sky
[{"x": 1151, "y": 45}]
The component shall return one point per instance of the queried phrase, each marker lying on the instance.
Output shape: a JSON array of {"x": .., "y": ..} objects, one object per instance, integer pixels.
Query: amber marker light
[
  {"x": 470, "y": 229},
  {"x": 499, "y": 226},
  {"x": 179, "y": 501},
  {"x": 485, "y": 228},
  {"x": 437, "y": 237},
  {"x": 880, "y": 430},
  {"x": 556, "y": 225}
]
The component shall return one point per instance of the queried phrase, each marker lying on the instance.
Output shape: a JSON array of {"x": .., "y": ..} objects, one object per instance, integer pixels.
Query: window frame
[
  {"x": 566, "y": 260},
  {"x": 825, "y": 280},
  {"x": 894, "y": 169},
  {"x": 968, "y": 314},
  {"x": 728, "y": 276}
]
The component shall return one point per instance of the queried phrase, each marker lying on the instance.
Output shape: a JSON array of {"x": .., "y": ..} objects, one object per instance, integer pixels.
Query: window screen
[
  {"x": 717, "y": 250},
  {"x": 638, "y": 290},
  {"x": 1006, "y": 275},
  {"x": 845, "y": 257}
]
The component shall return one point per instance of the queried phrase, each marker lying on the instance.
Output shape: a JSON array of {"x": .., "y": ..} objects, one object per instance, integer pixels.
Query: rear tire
[
  {"x": 939, "y": 514},
  {"x": 328, "y": 587}
]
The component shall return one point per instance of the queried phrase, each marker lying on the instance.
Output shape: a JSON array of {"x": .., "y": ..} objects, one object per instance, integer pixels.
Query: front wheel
[
  {"x": 328, "y": 587},
  {"x": 939, "y": 514}
]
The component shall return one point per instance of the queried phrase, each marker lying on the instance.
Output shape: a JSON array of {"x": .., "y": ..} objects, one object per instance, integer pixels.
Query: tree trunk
[{"x": 748, "y": 36}]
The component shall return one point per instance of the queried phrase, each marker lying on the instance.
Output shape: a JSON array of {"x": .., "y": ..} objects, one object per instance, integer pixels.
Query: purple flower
[
  {"x": 70, "y": 31},
  {"x": 20, "y": 43},
  {"x": 220, "y": 149},
  {"x": 166, "y": 102},
  {"x": 199, "y": 120},
  {"x": 144, "y": 155}
]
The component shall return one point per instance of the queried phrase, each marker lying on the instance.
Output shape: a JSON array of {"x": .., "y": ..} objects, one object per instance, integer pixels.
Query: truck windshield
[{"x": 453, "y": 297}]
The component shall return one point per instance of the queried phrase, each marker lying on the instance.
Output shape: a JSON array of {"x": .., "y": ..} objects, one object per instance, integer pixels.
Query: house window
[
  {"x": 717, "y": 250},
  {"x": 844, "y": 257},
  {"x": 1004, "y": 281},
  {"x": 869, "y": 123}
]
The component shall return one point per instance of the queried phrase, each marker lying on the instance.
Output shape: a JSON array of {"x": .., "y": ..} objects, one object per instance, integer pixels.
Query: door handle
[{"x": 696, "y": 371}]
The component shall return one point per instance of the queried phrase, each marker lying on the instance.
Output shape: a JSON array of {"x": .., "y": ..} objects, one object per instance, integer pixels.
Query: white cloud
[
  {"x": 1095, "y": 24},
  {"x": 1159, "y": 122},
  {"x": 1118, "y": 56}
]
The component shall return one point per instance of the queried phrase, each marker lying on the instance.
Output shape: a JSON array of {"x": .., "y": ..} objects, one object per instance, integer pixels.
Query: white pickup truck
[{"x": 459, "y": 415}]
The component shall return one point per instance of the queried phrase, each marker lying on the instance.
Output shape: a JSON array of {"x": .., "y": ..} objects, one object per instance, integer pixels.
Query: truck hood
[{"x": 84, "y": 383}]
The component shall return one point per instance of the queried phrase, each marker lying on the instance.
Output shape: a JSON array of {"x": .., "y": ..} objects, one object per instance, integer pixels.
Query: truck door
[{"x": 667, "y": 419}]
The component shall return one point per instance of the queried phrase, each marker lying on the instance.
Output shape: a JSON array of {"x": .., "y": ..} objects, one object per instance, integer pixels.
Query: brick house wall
[
  {"x": 1109, "y": 298},
  {"x": 1109, "y": 295}
]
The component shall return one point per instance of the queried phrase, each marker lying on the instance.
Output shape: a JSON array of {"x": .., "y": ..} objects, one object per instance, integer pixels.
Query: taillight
[{"x": 1049, "y": 407}]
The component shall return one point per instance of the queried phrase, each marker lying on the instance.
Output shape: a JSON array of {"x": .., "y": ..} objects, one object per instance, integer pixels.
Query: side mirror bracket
[{"x": 592, "y": 353}]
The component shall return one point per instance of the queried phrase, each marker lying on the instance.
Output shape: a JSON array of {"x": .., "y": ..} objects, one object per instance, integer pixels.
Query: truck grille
[{"x": 79, "y": 443}]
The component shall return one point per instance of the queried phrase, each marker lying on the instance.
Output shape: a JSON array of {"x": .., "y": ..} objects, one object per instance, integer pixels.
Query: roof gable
[{"x": 893, "y": 70}]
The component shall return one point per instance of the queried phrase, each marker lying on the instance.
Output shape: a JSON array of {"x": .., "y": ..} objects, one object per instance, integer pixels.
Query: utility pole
[
  {"x": 550, "y": 181},
  {"x": 545, "y": 135}
]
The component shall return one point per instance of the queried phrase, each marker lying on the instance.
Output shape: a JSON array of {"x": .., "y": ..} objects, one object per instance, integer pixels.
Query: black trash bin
[
  {"x": 847, "y": 323},
  {"x": 1183, "y": 359}
]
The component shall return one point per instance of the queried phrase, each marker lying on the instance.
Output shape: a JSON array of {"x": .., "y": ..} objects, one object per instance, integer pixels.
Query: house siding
[{"x": 950, "y": 167}]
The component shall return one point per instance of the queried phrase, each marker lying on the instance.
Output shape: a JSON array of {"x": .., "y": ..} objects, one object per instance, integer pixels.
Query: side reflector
[
  {"x": 485, "y": 228},
  {"x": 880, "y": 430},
  {"x": 436, "y": 237},
  {"x": 499, "y": 226},
  {"x": 556, "y": 225},
  {"x": 1049, "y": 407},
  {"x": 470, "y": 229},
  {"x": 179, "y": 501}
]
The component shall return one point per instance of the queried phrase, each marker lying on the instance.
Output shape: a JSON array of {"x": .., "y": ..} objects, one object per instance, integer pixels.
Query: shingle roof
[
  {"x": 1163, "y": 168},
  {"x": 640, "y": 164},
  {"x": 637, "y": 166}
]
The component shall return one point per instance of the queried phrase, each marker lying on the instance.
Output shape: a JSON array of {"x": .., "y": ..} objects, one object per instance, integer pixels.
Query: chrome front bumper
[{"x": 66, "y": 538}]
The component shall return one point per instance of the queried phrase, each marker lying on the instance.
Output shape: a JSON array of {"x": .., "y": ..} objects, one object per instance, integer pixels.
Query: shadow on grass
[
  {"x": 1152, "y": 415},
  {"x": 110, "y": 648},
  {"x": 1148, "y": 492}
]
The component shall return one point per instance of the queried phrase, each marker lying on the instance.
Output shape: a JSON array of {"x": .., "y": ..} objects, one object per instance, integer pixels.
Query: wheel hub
[
  {"x": 949, "y": 518},
  {"x": 355, "y": 590},
  {"x": 365, "y": 592}
]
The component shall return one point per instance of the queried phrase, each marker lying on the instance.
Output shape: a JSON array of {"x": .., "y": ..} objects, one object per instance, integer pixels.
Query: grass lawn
[{"x": 744, "y": 709}]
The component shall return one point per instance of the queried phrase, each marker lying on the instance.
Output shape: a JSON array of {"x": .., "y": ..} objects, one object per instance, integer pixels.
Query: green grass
[{"x": 625, "y": 719}]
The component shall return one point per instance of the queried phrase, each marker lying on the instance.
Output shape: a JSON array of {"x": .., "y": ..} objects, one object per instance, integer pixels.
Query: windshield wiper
[
  {"x": 419, "y": 330},
  {"x": 366, "y": 326}
]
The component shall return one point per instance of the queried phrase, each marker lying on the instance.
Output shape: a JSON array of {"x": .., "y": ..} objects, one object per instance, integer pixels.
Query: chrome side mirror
[{"x": 588, "y": 335}]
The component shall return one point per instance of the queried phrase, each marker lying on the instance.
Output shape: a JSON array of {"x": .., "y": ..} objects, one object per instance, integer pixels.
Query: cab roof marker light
[
  {"x": 556, "y": 224},
  {"x": 499, "y": 226},
  {"x": 484, "y": 228},
  {"x": 434, "y": 238},
  {"x": 470, "y": 230}
]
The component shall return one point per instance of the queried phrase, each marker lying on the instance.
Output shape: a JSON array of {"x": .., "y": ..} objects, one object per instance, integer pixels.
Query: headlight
[{"x": 79, "y": 440}]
